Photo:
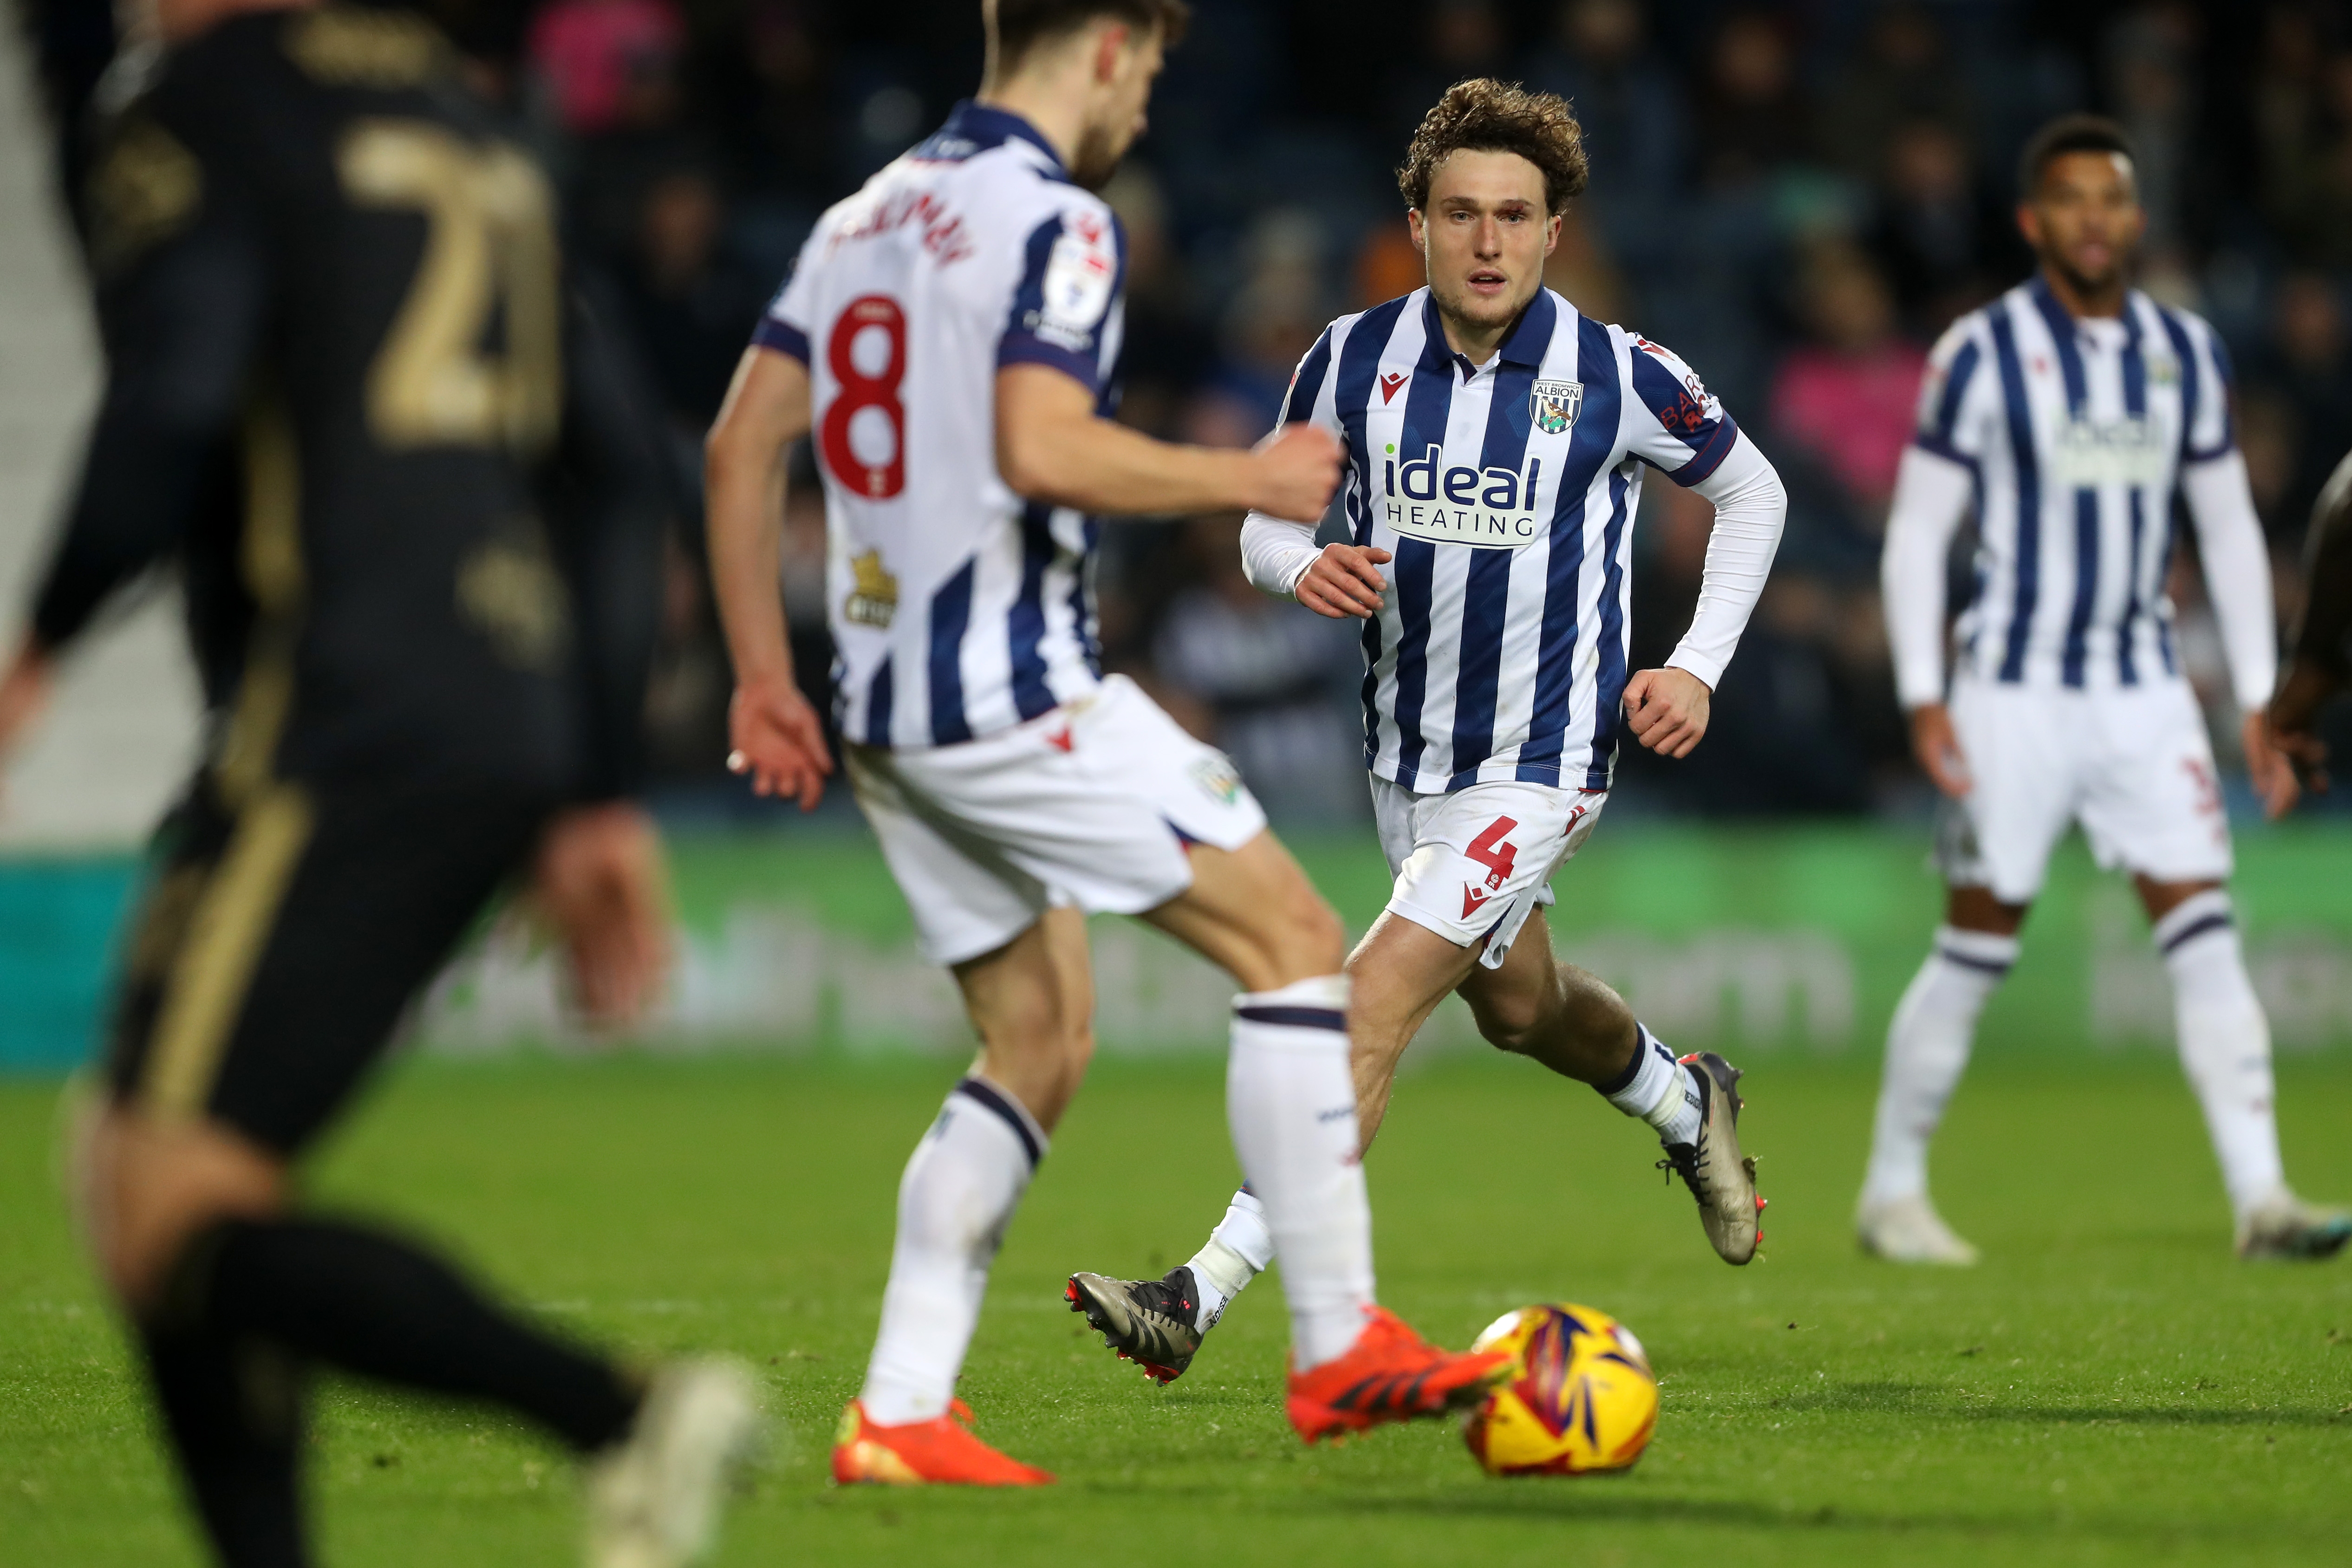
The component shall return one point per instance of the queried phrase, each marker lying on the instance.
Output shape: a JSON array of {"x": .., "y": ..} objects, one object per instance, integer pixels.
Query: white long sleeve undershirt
[
  {"x": 1750, "y": 508},
  {"x": 1932, "y": 494},
  {"x": 1931, "y": 497},
  {"x": 2237, "y": 560}
]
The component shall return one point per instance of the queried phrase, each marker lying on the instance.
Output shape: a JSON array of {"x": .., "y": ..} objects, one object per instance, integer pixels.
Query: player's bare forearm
[
  {"x": 767, "y": 409},
  {"x": 774, "y": 735},
  {"x": 1053, "y": 446},
  {"x": 1667, "y": 710}
]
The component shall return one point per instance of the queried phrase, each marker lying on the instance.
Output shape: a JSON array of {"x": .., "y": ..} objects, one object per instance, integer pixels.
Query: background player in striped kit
[
  {"x": 2070, "y": 413},
  {"x": 949, "y": 337},
  {"x": 1496, "y": 439}
]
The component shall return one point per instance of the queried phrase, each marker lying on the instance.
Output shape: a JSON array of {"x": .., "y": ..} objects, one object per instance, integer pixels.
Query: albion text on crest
[{"x": 1553, "y": 404}]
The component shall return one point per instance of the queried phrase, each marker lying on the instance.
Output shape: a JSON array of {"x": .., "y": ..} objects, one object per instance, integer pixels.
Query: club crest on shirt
[{"x": 1554, "y": 405}]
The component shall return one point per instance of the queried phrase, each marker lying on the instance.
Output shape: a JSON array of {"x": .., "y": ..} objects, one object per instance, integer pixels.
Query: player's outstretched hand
[
  {"x": 2268, "y": 768},
  {"x": 777, "y": 737},
  {"x": 1667, "y": 710},
  {"x": 601, "y": 885},
  {"x": 1937, "y": 747},
  {"x": 1345, "y": 580},
  {"x": 1297, "y": 469}
]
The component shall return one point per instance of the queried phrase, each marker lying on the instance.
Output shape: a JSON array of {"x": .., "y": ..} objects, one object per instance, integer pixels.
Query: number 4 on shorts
[{"x": 1497, "y": 854}]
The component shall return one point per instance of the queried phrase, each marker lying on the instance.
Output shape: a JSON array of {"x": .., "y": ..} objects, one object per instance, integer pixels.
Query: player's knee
[
  {"x": 1510, "y": 1022},
  {"x": 1077, "y": 1050},
  {"x": 1311, "y": 940},
  {"x": 148, "y": 1192},
  {"x": 1576, "y": 1020}
]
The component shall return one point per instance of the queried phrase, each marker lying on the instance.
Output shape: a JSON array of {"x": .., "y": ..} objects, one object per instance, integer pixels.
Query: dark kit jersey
[{"x": 416, "y": 509}]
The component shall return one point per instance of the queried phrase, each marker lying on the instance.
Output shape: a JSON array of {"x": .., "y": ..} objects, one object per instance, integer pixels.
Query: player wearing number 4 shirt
[
  {"x": 2069, "y": 413},
  {"x": 1496, "y": 442},
  {"x": 949, "y": 338}
]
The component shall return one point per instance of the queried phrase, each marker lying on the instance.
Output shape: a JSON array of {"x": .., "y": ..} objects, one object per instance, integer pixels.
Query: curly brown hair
[{"x": 1483, "y": 115}]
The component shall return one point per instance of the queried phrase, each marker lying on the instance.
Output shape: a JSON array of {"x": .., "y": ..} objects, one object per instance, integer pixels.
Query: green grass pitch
[{"x": 2109, "y": 1387}]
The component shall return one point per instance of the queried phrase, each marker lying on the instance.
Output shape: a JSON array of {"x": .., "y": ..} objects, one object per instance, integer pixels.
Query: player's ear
[
  {"x": 1551, "y": 233},
  {"x": 1418, "y": 226},
  {"x": 2029, "y": 224},
  {"x": 1111, "y": 52}
]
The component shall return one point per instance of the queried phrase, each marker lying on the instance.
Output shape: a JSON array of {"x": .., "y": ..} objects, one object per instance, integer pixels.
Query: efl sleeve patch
[
  {"x": 1069, "y": 288},
  {"x": 1081, "y": 270}
]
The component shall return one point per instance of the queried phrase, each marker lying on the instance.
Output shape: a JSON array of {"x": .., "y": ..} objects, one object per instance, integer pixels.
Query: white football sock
[
  {"x": 960, "y": 1191},
  {"x": 1237, "y": 1252},
  {"x": 1292, "y": 1103},
  {"x": 2225, "y": 1044},
  {"x": 1658, "y": 1089},
  {"x": 1927, "y": 1046}
]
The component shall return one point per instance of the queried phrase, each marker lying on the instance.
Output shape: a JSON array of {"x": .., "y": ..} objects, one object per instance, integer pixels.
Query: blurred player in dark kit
[
  {"x": 418, "y": 531},
  {"x": 2319, "y": 658}
]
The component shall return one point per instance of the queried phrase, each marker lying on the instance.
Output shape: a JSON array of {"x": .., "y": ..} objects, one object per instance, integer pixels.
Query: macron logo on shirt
[{"x": 1389, "y": 384}]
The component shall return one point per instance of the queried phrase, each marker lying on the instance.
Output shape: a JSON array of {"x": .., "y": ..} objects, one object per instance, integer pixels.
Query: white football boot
[
  {"x": 2283, "y": 1226},
  {"x": 1723, "y": 1179},
  {"x": 653, "y": 1499},
  {"x": 1909, "y": 1230}
]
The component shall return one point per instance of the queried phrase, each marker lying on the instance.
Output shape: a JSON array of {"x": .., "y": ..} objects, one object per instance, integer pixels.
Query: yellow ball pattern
[{"x": 1580, "y": 1400}]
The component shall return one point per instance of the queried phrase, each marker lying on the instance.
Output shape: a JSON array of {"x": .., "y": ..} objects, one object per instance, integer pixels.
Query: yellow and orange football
[{"x": 1580, "y": 1398}]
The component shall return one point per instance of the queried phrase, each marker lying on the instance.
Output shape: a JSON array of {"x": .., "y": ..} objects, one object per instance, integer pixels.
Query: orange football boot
[
  {"x": 939, "y": 1452},
  {"x": 1390, "y": 1373}
]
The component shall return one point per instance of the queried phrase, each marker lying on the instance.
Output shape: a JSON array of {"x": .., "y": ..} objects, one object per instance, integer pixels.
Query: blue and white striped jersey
[
  {"x": 1507, "y": 493},
  {"x": 958, "y": 608},
  {"x": 2076, "y": 434}
]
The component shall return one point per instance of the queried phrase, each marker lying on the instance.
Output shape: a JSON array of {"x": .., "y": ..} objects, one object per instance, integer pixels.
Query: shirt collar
[
  {"x": 986, "y": 126},
  {"x": 2054, "y": 311},
  {"x": 1525, "y": 345}
]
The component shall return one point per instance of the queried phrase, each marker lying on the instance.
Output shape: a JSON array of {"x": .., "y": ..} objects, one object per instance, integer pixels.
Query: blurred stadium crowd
[{"x": 1797, "y": 198}]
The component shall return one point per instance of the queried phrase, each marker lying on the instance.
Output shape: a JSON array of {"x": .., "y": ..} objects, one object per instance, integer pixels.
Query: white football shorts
[
  {"x": 1089, "y": 806},
  {"x": 1472, "y": 864},
  {"x": 2132, "y": 764}
]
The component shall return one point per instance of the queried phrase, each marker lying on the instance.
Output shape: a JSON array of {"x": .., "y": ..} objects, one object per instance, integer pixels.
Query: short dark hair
[
  {"x": 2068, "y": 133},
  {"x": 1016, "y": 27},
  {"x": 1483, "y": 115}
]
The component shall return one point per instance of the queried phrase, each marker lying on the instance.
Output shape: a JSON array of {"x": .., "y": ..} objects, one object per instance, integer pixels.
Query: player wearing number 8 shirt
[
  {"x": 416, "y": 517},
  {"x": 949, "y": 338}
]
